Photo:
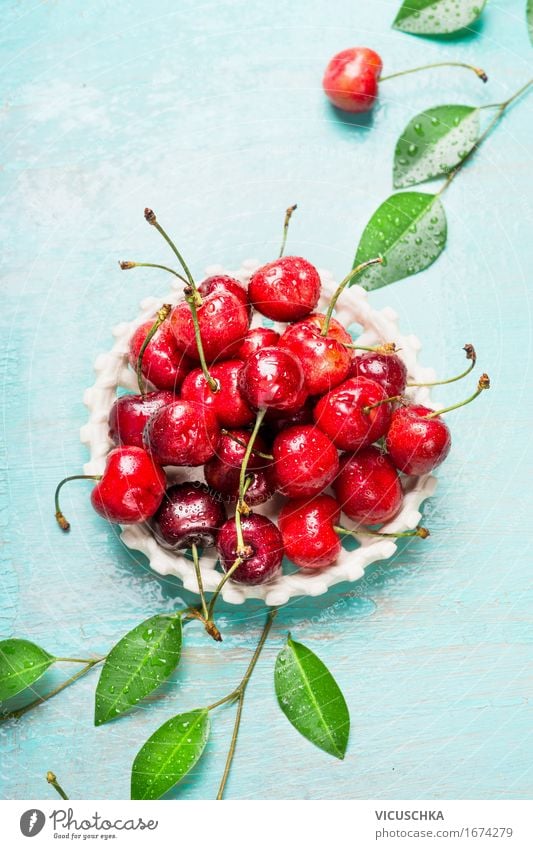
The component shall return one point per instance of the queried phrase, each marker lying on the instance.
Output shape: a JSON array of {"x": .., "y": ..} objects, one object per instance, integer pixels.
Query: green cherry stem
[
  {"x": 288, "y": 216},
  {"x": 484, "y": 383},
  {"x": 196, "y": 561},
  {"x": 390, "y": 400},
  {"x": 162, "y": 315},
  {"x": 386, "y": 348},
  {"x": 479, "y": 72},
  {"x": 421, "y": 532},
  {"x": 150, "y": 216},
  {"x": 223, "y": 581},
  {"x": 126, "y": 264},
  {"x": 60, "y": 518},
  {"x": 241, "y": 506},
  {"x": 470, "y": 355},
  {"x": 243, "y": 445},
  {"x": 193, "y": 304},
  {"x": 52, "y": 779},
  {"x": 342, "y": 285}
]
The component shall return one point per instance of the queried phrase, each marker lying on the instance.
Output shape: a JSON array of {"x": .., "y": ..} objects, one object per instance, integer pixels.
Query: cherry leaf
[
  {"x": 408, "y": 231},
  {"x": 311, "y": 699},
  {"x": 169, "y": 754},
  {"x": 437, "y": 17},
  {"x": 21, "y": 664},
  {"x": 139, "y": 663},
  {"x": 433, "y": 142}
]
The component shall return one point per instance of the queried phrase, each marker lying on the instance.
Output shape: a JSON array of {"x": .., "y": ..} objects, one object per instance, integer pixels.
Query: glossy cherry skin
[
  {"x": 223, "y": 321},
  {"x": 265, "y": 549},
  {"x": 368, "y": 487},
  {"x": 305, "y": 461},
  {"x": 273, "y": 378},
  {"x": 222, "y": 471},
  {"x": 164, "y": 364},
  {"x": 129, "y": 414},
  {"x": 131, "y": 488},
  {"x": 351, "y": 79},
  {"x": 416, "y": 444},
  {"x": 227, "y": 402},
  {"x": 189, "y": 515},
  {"x": 306, "y": 527},
  {"x": 340, "y": 414},
  {"x": 386, "y": 369},
  {"x": 277, "y": 420},
  {"x": 218, "y": 283},
  {"x": 325, "y": 359},
  {"x": 285, "y": 289},
  {"x": 255, "y": 340},
  {"x": 182, "y": 434}
]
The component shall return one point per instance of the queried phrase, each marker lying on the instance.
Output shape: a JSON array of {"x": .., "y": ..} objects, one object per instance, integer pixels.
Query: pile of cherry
[{"x": 303, "y": 413}]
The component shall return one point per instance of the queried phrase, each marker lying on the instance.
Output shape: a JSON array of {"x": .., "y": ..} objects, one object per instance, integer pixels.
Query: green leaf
[
  {"x": 437, "y": 17},
  {"x": 21, "y": 664},
  {"x": 529, "y": 19},
  {"x": 311, "y": 699},
  {"x": 408, "y": 231},
  {"x": 434, "y": 142},
  {"x": 139, "y": 663},
  {"x": 169, "y": 754}
]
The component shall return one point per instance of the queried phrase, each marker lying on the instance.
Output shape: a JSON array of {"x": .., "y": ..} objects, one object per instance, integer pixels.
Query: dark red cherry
[
  {"x": 129, "y": 414},
  {"x": 417, "y": 444},
  {"x": 386, "y": 369},
  {"x": 223, "y": 321},
  {"x": 285, "y": 289},
  {"x": 218, "y": 283},
  {"x": 189, "y": 515},
  {"x": 222, "y": 471},
  {"x": 306, "y": 527},
  {"x": 278, "y": 420},
  {"x": 272, "y": 378},
  {"x": 256, "y": 339},
  {"x": 368, "y": 487},
  {"x": 343, "y": 416},
  {"x": 264, "y": 549},
  {"x": 305, "y": 461},
  {"x": 182, "y": 434},
  {"x": 325, "y": 359},
  {"x": 227, "y": 402},
  {"x": 131, "y": 487},
  {"x": 351, "y": 79},
  {"x": 164, "y": 364}
]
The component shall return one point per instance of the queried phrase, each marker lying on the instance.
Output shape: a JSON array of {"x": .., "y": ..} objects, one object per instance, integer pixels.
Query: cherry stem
[
  {"x": 196, "y": 561},
  {"x": 162, "y": 315},
  {"x": 484, "y": 383},
  {"x": 288, "y": 216},
  {"x": 150, "y": 216},
  {"x": 241, "y": 505},
  {"x": 60, "y": 518},
  {"x": 479, "y": 72},
  {"x": 421, "y": 532},
  {"x": 126, "y": 264},
  {"x": 212, "y": 383},
  {"x": 385, "y": 348},
  {"x": 390, "y": 400},
  {"x": 225, "y": 578},
  {"x": 51, "y": 778},
  {"x": 470, "y": 355},
  {"x": 342, "y": 285},
  {"x": 239, "y": 694},
  {"x": 21, "y": 711},
  {"x": 501, "y": 108},
  {"x": 243, "y": 445}
]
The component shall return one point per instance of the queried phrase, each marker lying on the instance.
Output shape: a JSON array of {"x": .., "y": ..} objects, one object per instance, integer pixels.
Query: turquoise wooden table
[{"x": 212, "y": 113}]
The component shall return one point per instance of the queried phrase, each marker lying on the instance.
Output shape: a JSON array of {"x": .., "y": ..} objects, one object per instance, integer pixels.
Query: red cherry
[
  {"x": 227, "y": 402},
  {"x": 305, "y": 461},
  {"x": 307, "y": 531},
  {"x": 223, "y": 320},
  {"x": 264, "y": 545},
  {"x": 256, "y": 339},
  {"x": 417, "y": 444},
  {"x": 285, "y": 289},
  {"x": 368, "y": 487},
  {"x": 222, "y": 471},
  {"x": 272, "y": 378},
  {"x": 129, "y": 414},
  {"x": 182, "y": 434},
  {"x": 386, "y": 369},
  {"x": 164, "y": 364},
  {"x": 343, "y": 416},
  {"x": 277, "y": 420},
  {"x": 189, "y": 515},
  {"x": 224, "y": 283},
  {"x": 131, "y": 487},
  {"x": 351, "y": 79},
  {"x": 325, "y": 360}
]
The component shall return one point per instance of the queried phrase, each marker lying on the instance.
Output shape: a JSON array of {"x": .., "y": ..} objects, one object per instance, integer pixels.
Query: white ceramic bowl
[{"x": 112, "y": 371}]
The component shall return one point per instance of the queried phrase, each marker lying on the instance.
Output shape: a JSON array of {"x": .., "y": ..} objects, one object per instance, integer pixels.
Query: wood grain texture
[{"x": 212, "y": 114}]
